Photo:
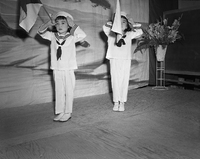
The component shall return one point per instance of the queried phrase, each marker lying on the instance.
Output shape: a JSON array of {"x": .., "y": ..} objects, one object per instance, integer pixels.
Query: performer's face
[
  {"x": 124, "y": 23},
  {"x": 62, "y": 26}
]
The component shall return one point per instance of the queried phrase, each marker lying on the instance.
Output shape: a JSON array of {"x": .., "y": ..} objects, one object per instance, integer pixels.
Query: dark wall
[
  {"x": 156, "y": 9},
  {"x": 183, "y": 56}
]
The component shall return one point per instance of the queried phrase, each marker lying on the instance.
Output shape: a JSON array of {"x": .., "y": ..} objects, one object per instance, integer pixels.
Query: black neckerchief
[{"x": 59, "y": 50}]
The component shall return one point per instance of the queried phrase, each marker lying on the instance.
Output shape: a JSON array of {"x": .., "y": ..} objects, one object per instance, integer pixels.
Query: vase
[
  {"x": 161, "y": 52},
  {"x": 160, "y": 67}
]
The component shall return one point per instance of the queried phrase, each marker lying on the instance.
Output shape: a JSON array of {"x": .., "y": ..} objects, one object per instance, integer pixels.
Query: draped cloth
[
  {"x": 29, "y": 10},
  {"x": 117, "y": 28}
]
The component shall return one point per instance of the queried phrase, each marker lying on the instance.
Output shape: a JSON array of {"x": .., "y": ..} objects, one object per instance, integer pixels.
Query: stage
[{"x": 155, "y": 125}]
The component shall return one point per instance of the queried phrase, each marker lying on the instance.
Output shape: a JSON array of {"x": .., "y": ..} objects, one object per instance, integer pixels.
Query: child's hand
[
  {"x": 84, "y": 43},
  {"x": 46, "y": 25},
  {"x": 70, "y": 21},
  {"x": 137, "y": 25},
  {"x": 51, "y": 23},
  {"x": 109, "y": 23}
]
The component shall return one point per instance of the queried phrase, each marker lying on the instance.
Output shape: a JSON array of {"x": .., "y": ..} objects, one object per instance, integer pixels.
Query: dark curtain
[{"x": 156, "y": 9}]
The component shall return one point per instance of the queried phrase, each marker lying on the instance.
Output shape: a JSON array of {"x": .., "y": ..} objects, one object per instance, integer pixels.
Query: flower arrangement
[{"x": 159, "y": 33}]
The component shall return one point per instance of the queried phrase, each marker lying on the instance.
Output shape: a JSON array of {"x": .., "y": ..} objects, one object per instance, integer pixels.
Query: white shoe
[
  {"x": 121, "y": 107},
  {"x": 116, "y": 106},
  {"x": 65, "y": 117},
  {"x": 58, "y": 117}
]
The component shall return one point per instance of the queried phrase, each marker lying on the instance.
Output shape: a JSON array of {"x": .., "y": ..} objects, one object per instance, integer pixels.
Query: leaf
[{"x": 141, "y": 46}]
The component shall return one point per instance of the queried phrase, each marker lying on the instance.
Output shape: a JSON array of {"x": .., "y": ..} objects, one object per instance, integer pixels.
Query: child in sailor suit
[
  {"x": 63, "y": 60},
  {"x": 119, "y": 55}
]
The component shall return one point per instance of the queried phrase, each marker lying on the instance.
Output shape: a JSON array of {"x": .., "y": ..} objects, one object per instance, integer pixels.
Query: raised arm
[
  {"x": 107, "y": 28},
  {"x": 45, "y": 26},
  {"x": 76, "y": 31},
  {"x": 137, "y": 30}
]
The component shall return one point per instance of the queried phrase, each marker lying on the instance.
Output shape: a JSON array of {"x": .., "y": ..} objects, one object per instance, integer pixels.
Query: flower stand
[{"x": 160, "y": 68}]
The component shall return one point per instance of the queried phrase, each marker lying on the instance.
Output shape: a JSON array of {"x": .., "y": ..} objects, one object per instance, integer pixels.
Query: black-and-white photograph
[{"x": 99, "y": 79}]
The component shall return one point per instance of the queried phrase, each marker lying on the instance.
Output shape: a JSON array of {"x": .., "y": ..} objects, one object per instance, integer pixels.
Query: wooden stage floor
[{"x": 155, "y": 125}]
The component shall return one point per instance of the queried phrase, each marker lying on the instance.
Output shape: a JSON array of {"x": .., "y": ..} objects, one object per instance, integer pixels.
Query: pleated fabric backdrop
[{"x": 25, "y": 77}]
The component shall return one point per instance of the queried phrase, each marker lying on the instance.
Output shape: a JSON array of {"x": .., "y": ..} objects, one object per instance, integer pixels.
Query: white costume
[
  {"x": 120, "y": 61},
  {"x": 63, "y": 68}
]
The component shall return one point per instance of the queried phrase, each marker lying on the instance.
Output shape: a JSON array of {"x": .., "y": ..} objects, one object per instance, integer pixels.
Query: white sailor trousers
[
  {"x": 64, "y": 90},
  {"x": 120, "y": 74}
]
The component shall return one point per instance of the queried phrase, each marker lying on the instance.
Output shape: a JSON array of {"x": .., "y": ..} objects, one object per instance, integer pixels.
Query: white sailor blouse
[
  {"x": 123, "y": 52},
  {"x": 63, "y": 50}
]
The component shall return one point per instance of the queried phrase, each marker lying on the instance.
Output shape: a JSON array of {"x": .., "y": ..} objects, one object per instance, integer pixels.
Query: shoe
[
  {"x": 116, "y": 106},
  {"x": 121, "y": 107},
  {"x": 58, "y": 117},
  {"x": 65, "y": 117}
]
